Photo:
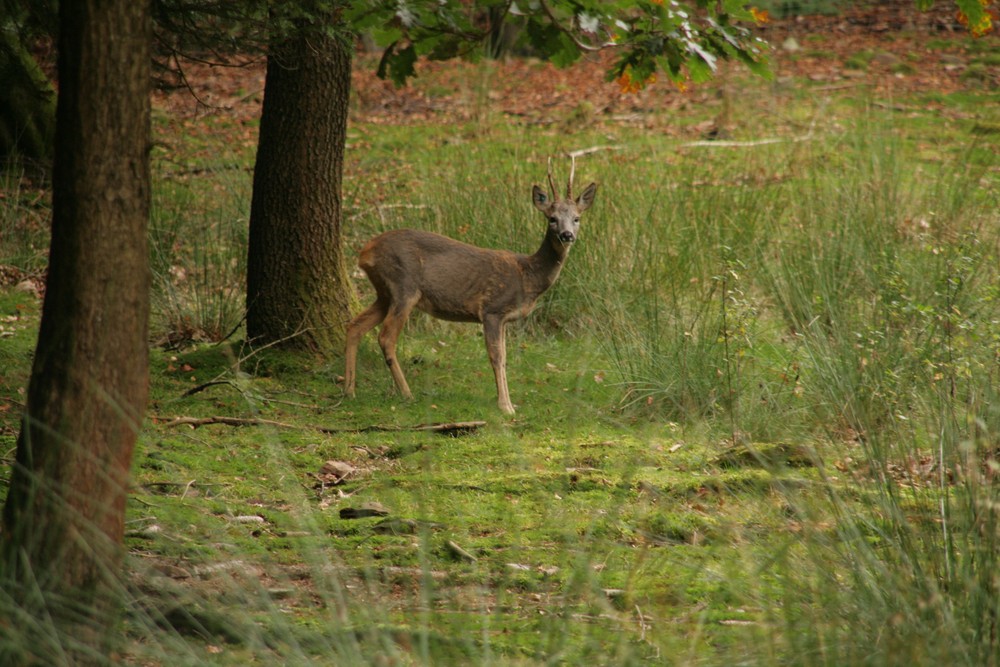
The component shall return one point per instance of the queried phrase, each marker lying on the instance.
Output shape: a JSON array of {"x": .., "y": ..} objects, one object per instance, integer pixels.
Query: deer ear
[
  {"x": 584, "y": 201},
  {"x": 539, "y": 198}
]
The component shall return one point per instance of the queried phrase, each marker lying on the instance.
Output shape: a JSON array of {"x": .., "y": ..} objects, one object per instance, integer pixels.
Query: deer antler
[
  {"x": 552, "y": 184},
  {"x": 572, "y": 170}
]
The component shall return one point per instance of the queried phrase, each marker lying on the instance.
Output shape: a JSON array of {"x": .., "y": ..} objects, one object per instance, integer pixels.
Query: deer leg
[
  {"x": 496, "y": 347},
  {"x": 392, "y": 326},
  {"x": 356, "y": 330}
]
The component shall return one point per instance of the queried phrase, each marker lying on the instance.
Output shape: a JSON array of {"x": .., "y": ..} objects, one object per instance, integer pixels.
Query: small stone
[
  {"x": 145, "y": 532},
  {"x": 791, "y": 45},
  {"x": 335, "y": 472}
]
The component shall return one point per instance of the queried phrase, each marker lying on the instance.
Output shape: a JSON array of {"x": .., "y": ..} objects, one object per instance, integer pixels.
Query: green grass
[
  {"x": 23, "y": 220},
  {"x": 756, "y": 423}
]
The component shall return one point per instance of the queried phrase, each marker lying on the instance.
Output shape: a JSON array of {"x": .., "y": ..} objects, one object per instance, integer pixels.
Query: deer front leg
[{"x": 496, "y": 347}]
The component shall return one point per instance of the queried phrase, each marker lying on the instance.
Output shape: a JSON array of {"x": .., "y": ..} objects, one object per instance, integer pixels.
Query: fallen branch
[
  {"x": 835, "y": 86},
  {"x": 195, "y": 422},
  {"x": 450, "y": 428},
  {"x": 187, "y": 485},
  {"x": 894, "y": 107},
  {"x": 218, "y": 379},
  {"x": 593, "y": 149},
  {"x": 194, "y": 390},
  {"x": 294, "y": 404},
  {"x": 745, "y": 144}
]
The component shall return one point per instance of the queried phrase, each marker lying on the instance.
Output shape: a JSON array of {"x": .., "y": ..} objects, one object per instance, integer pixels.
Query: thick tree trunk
[
  {"x": 63, "y": 522},
  {"x": 297, "y": 282}
]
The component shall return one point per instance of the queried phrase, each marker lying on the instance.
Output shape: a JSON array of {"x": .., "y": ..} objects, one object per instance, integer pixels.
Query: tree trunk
[
  {"x": 298, "y": 289},
  {"x": 63, "y": 521},
  {"x": 27, "y": 106}
]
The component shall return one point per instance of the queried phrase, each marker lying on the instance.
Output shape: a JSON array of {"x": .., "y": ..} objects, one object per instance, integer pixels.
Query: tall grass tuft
[
  {"x": 908, "y": 576},
  {"x": 682, "y": 316},
  {"x": 906, "y": 362},
  {"x": 198, "y": 259},
  {"x": 855, "y": 304},
  {"x": 24, "y": 221}
]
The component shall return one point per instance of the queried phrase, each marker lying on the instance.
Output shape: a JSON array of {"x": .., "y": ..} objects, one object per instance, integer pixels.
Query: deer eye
[
  {"x": 576, "y": 219},
  {"x": 553, "y": 221}
]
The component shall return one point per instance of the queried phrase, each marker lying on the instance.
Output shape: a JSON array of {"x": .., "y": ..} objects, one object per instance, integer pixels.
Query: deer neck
[{"x": 546, "y": 264}]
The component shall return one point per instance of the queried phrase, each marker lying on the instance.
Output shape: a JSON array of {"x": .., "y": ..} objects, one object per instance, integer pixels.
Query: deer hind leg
[
  {"x": 359, "y": 326},
  {"x": 392, "y": 326},
  {"x": 496, "y": 347}
]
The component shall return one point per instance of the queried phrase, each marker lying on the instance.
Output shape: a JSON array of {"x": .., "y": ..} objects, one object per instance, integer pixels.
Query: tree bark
[
  {"x": 298, "y": 288},
  {"x": 63, "y": 521}
]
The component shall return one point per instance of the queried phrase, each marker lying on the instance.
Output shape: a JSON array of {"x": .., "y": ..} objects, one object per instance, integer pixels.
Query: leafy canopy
[{"x": 683, "y": 39}]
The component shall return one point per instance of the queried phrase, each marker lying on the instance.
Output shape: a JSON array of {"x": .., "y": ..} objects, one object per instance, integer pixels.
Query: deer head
[{"x": 563, "y": 214}]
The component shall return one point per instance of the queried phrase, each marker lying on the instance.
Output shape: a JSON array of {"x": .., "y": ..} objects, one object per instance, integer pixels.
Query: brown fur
[{"x": 456, "y": 281}]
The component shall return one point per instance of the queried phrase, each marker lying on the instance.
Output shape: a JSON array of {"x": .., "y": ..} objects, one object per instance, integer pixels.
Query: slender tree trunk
[
  {"x": 27, "y": 106},
  {"x": 63, "y": 521},
  {"x": 297, "y": 282}
]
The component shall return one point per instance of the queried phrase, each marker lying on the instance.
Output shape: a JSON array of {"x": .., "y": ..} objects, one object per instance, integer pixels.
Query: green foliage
[
  {"x": 397, "y": 63},
  {"x": 973, "y": 14},
  {"x": 226, "y": 29},
  {"x": 685, "y": 40}
]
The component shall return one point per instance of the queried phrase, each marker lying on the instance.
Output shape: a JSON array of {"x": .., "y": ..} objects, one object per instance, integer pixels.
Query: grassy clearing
[{"x": 756, "y": 422}]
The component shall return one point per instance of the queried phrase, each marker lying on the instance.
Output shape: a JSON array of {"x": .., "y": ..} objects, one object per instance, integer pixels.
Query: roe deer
[{"x": 460, "y": 282}]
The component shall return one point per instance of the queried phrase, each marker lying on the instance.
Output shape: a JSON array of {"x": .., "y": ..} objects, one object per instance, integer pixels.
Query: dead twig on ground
[
  {"x": 448, "y": 428},
  {"x": 206, "y": 385},
  {"x": 709, "y": 143},
  {"x": 593, "y": 149},
  {"x": 196, "y": 422}
]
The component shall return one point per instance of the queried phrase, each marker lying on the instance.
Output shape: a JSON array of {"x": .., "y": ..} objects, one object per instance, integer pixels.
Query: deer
[{"x": 456, "y": 281}]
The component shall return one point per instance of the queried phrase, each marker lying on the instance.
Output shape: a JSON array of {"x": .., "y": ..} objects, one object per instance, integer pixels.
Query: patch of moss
[{"x": 860, "y": 60}]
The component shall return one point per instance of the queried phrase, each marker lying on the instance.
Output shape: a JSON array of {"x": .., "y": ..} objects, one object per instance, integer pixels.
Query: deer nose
[{"x": 566, "y": 237}]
